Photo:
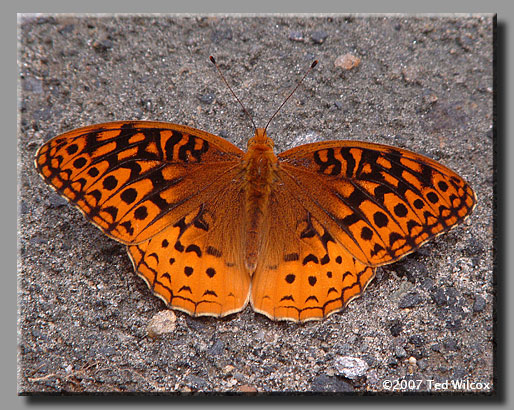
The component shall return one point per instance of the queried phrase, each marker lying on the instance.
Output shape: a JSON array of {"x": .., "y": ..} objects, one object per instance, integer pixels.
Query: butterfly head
[{"x": 260, "y": 139}]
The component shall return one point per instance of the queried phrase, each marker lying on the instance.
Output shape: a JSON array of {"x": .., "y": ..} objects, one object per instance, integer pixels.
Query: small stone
[
  {"x": 22, "y": 207},
  {"x": 429, "y": 98},
  {"x": 417, "y": 340},
  {"x": 216, "y": 348},
  {"x": 412, "y": 361},
  {"x": 422, "y": 364},
  {"x": 479, "y": 304},
  {"x": 392, "y": 362},
  {"x": 460, "y": 373},
  {"x": 102, "y": 46},
  {"x": 413, "y": 270},
  {"x": 228, "y": 369},
  {"x": 350, "y": 367},
  {"x": 36, "y": 240},
  {"x": 56, "y": 201},
  {"x": 245, "y": 388},
  {"x": 347, "y": 61},
  {"x": 328, "y": 384},
  {"x": 296, "y": 36},
  {"x": 162, "y": 323},
  {"x": 410, "y": 300},
  {"x": 34, "y": 85},
  {"x": 400, "y": 352},
  {"x": 240, "y": 377},
  {"x": 338, "y": 105},
  {"x": 207, "y": 98},
  {"x": 451, "y": 345},
  {"x": 197, "y": 382},
  {"x": 427, "y": 28},
  {"x": 465, "y": 42},
  {"x": 412, "y": 74},
  {"x": 447, "y": 297},
  {"x": 473, "y": 248},
  {"x": 396, "y": 328},
  {"x": 436, "y": 347},
  {"x": 318, "y": 37}
]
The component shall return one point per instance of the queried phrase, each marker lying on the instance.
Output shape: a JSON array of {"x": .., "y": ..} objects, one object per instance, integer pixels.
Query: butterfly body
[
  {"x": 211, "y": 228},
  {"x": 260, "y": 169}
]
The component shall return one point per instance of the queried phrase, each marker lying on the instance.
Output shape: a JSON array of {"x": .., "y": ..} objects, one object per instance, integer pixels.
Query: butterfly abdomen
[{"x": 259, "y": 166}]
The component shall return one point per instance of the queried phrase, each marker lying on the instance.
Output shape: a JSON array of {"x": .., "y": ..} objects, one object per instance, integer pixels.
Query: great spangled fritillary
[{"x": 211, "y": 228}]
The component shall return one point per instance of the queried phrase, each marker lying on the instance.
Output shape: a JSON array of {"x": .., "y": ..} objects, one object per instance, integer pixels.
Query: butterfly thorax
[{"x": 259, "y": 164}]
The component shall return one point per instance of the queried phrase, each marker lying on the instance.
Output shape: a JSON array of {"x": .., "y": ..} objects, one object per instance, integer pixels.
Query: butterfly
[{"x": 211, "y": 228}]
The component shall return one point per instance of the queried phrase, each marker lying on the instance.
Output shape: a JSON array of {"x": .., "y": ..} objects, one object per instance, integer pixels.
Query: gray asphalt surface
[{"x": 423, "y": 84}]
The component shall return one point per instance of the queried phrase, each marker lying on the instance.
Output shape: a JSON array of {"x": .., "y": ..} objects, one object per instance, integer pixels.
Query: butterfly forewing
[
  {"x": 379, "y": 202},
  {"x": 133, "y": 179}
]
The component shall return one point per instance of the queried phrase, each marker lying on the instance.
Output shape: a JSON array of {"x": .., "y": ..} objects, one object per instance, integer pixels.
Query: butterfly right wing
[
  {"x": 196, "y": 264},
  {"x": 133, "y": 179}
]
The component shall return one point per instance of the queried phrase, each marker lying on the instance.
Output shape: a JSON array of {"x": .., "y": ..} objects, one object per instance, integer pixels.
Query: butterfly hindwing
[
  {"x": 195, "y": 264},
  {"x": 304, "y": 273}
]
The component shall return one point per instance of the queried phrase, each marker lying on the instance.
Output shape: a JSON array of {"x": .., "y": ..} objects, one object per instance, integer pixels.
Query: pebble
[
  {"x": 396, "y": 328},
  {"x": 207, "y": 98},
  {"x": 350, "y": 367},
  {"x": 102, "y": 46},
  {"x": 162, "y": 323},
  {"x": 399, "y": 352},
  {"x": 410, "y": 300},
  {"x": 23, "y": 208},
  {"x": 417, "y": 340},
  {"x": 347, "y": 61},
  {"x": 245, "y": 388},
  {"x": 412, "y": 74},
  {"x": 327, "y": 384},
  {"x": 33, "y": 85},
  {"x": 216, "y": 348},
  {"x": 296, "y": 36},
  {"x": 318, "y": 37},
  {"x": 56, "y": 201},
  {"x": 479, "y": 304}
]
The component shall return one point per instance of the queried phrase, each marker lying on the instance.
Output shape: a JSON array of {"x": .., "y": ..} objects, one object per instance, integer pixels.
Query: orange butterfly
[{"x": 211, "y": 228}]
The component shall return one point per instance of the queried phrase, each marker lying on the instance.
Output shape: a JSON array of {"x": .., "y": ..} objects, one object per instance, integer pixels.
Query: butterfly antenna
[
  {"x": 292, "y": 92},
  {"x": 233, "y": 93}
]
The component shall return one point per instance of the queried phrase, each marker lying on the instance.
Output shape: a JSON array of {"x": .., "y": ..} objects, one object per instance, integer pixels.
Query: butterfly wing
[
  {"x": 303, "y": 273},
  {"x": 377, "y": 201},
  {"x": 172, "y": 194},
  {"x": 133, "y": 179},
  {"x": 341, "y": 208},
  {"x": 196, "y": 265}
]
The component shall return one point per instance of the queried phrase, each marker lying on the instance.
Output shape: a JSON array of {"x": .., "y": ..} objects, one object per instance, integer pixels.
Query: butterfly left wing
[
  {"x": 133, "y": 179},
  {"x": 339, "y": 209},
  {"x": 303, "y": 273},
  {"x": 378, "y": 202}
]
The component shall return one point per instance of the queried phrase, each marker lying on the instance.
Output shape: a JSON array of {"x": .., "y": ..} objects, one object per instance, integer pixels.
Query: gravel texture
[{"x": 422, "y": 83}]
